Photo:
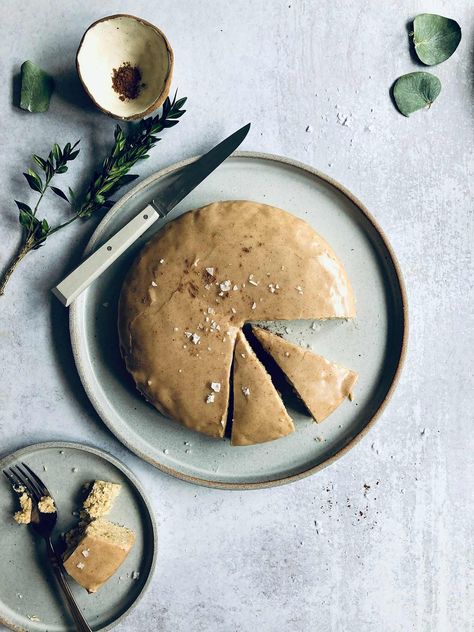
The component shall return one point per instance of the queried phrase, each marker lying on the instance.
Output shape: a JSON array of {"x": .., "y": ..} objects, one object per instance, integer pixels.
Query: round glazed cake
[{"x": 197, "y": 282}]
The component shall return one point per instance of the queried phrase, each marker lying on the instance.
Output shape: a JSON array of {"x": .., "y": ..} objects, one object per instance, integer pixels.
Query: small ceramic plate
[
  {"x": 373, "y": 344},
  {"x": 29, "y": 596}
]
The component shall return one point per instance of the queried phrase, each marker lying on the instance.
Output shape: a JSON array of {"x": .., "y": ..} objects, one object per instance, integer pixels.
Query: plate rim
[
  {"x": 75, "y": 342},
  {"x": 4, "y": 458}
]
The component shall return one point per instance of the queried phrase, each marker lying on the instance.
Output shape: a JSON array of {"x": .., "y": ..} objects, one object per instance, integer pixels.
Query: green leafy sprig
[{"x": 128, "y": 149}]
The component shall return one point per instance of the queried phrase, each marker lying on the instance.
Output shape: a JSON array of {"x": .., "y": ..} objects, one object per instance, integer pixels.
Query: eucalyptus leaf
[
  {"x": 435, "y": 37},
  {"x": 415, "y": 91},
  {"x": 36, "y": 88}
]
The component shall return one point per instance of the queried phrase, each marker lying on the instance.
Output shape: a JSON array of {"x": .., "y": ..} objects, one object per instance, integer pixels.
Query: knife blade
[{"x": 184, "y": 182}]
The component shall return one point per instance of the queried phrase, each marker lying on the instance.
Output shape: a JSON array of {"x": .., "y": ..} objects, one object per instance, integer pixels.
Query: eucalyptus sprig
[{"x": 128, "y": 149}]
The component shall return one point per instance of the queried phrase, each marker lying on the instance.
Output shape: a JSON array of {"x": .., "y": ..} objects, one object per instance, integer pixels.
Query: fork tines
[{"x": 27, "y": 479}]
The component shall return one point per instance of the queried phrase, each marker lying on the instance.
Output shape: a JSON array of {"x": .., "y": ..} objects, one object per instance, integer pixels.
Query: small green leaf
[
  {"x": 59, "y": 193},
  {"x": 39, "y": 161},
  {"x": 25, "y": 219},
  {"x": 36, "y": 88},
  {"x": 36, "y": 177},
  {"x": 435, "y": 37},
  {"x": 23, "y": 207},
  {"x": 415, "y": 91},
  {"x": 34, "y": 181},
  {"x": 62, "y": 169},
  {"x": 44, "y": 228},
  {"x": 57, "y": 153}
]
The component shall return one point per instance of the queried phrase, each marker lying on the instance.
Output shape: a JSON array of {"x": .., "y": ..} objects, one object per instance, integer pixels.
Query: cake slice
[
  {"x": 320, "y": 384},
  {"x": 100, "y": 547},
  {"x": 259, "y": 414},
  {"x": 100, "y": 499}
]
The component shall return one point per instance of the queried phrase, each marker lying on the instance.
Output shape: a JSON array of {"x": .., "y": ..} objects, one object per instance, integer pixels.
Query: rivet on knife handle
[{"x": 69, "y": 289}]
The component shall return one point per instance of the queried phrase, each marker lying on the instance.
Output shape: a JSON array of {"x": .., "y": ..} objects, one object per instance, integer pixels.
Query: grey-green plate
[
  {"x": 29, "y": 596},
  {"x": 373, "y": 344}
]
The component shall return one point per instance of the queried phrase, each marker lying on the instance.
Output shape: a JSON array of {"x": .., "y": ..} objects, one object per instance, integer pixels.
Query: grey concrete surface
[{"x": 325, "y": 554}]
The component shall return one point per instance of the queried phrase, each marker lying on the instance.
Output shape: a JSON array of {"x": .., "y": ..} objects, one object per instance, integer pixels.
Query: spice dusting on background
[{"x": 127, "y": 81}]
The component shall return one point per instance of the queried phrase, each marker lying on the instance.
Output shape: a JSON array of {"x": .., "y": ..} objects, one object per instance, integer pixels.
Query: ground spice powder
[{"x": 127, "y": 81}]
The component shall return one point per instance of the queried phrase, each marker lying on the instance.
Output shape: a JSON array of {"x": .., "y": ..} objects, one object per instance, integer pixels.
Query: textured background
[{"x": 324, "y": 554}]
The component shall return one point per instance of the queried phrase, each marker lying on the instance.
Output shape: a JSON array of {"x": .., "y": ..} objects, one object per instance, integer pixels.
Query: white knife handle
[{"x": 80, "y": 278}]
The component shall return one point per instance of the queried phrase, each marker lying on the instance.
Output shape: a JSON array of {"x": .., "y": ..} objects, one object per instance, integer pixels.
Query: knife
[{"x": 187, "y": 180}]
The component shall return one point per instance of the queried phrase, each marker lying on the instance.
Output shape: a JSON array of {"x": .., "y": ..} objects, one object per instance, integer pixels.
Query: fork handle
[{"x": 57, "y": 565}]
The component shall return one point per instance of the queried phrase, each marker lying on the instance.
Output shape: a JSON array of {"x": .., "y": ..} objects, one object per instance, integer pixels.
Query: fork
[{"x": 43, "y": 525}]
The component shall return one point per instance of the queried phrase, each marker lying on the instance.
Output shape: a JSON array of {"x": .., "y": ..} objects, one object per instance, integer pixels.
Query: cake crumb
[
  {"x": 154, "y": 284},
  {"x": 162, "y": 260},
  {"x": 254, "y": 305},
  {"x": 23, "y": 516}
]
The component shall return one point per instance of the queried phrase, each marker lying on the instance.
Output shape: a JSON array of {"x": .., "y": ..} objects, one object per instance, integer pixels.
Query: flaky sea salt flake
[{"x": 225, "y": 285}]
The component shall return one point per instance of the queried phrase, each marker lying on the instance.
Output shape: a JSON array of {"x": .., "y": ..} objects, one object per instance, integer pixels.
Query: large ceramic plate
[
  {"x": 373, "y": 344},
  {"x": 29, "y": 597}
]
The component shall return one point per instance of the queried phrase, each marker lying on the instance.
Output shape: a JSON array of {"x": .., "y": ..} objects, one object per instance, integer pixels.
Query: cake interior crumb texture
[
  {"x": 46, "y": 505},
  {"x": 100, "y": 499},
  {"x": 23, "y": 516}
]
